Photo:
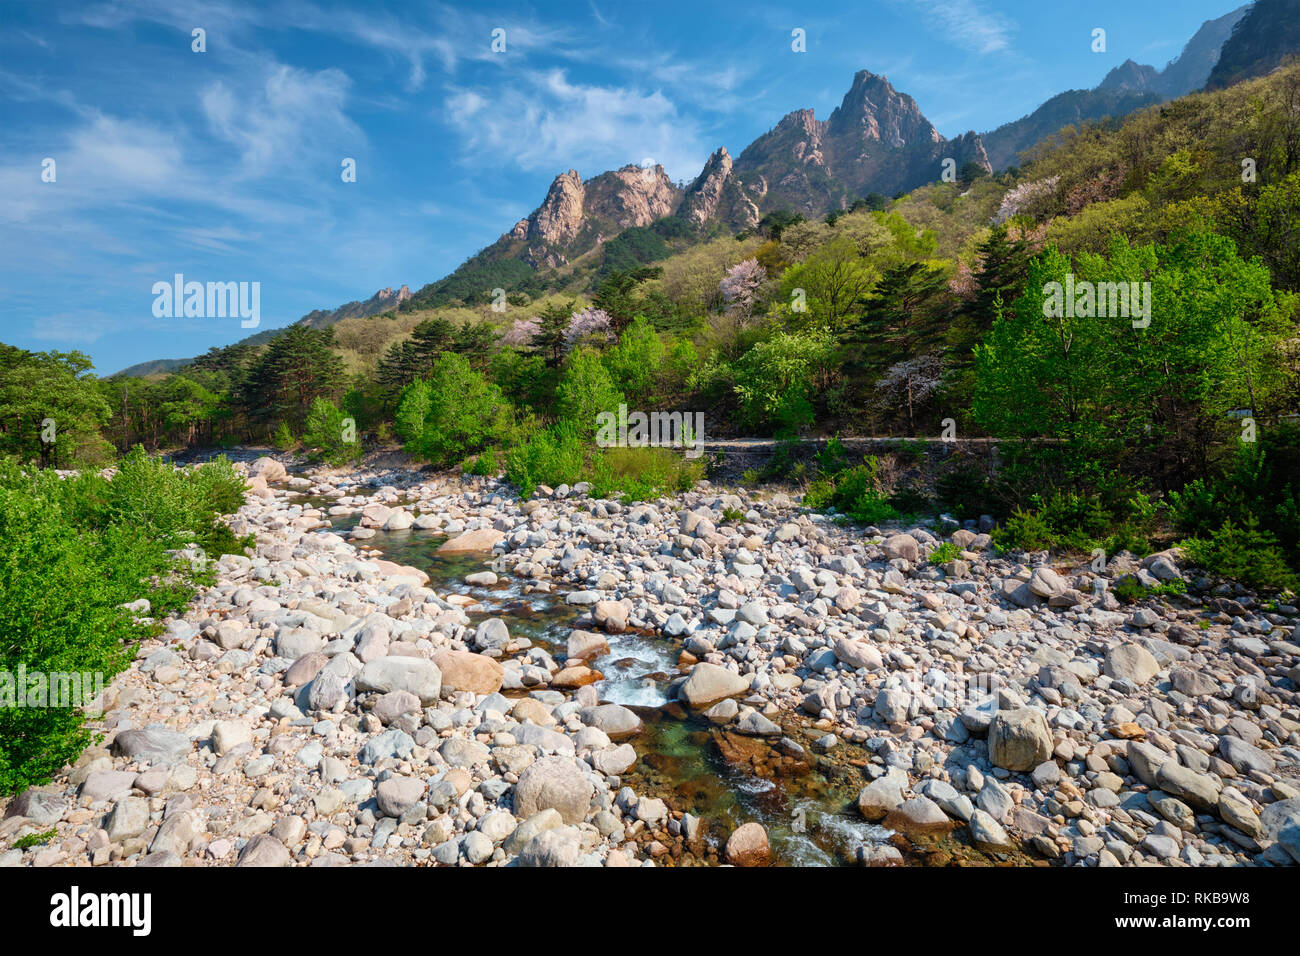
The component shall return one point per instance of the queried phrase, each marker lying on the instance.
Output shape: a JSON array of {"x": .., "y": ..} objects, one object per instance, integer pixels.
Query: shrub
[
  {"x": 331, "y": 433},
  {"x": 774, "y": 380},
  {"x": 452, "y": 414},
  {"x": 283, "y": 438},
  {"x": 856, "y": 492},
  {"x": 944, "y": 553},
  {"x": 554, "y": 456},
  {"x": 642, "y": 474},
  {"x": 585, "y": 390},
  {"x": 1024, "y": 531},
  {"x": 636, "y": 360},
  {"x": 832, "y": 459},
  {"x": 1242, "y": 553},
  {"x": 73, "y": 553}
]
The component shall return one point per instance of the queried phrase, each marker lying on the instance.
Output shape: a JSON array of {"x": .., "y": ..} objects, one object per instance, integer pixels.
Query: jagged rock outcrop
[
  {"x": 576, "y": 216},
  {"x": 876, "y": 140},
  {"x": 717, "y": 195},
  {"x": 384, "y": 300},
  {"x": 559, "y": 217}
]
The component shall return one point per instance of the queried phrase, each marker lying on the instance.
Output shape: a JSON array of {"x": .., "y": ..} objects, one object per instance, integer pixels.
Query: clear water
[{"x": 806, "y": 807}]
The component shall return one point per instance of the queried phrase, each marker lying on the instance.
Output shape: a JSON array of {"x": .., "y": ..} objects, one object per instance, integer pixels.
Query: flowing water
[{"x": 805, "y": 800}]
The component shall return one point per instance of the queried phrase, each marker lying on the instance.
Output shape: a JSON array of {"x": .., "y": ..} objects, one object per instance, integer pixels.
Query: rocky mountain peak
[
  {"x": 559, "y": 217},
  {"x": 873, "y": 110},
  {"x": 717, "y": 194}
]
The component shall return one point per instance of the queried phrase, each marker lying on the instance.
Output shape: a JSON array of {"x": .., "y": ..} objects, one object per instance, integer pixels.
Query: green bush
[
  {"x": 944, "y": 553},
  {"x": 641, "y": 474},
  {"x": 1074, "y": 522},
  {"x": 486, "y": 464},
  {"x": 72, "y": 553},
  {"x": 554, "y": 456},
  {"x": 453, "y": 413},
  {"x": 1024, "y": 531},
  {"x": 585, "y": 391},
  {"x": 774, "y": 380},
  {"x": 283, "y": 439},
  {"x": 856, "y": 492},
  {"x": 331, "y": 433},
  {"x": 1242, "y": 553}
]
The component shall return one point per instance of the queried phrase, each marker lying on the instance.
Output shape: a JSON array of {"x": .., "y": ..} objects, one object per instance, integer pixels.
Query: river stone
[
  {"x": 614, "y": 719},
  {"x": 397, "y": 794},
  {"x": 39, "y": 806},
  {"x": 1193, "y": 683},
  {"x": 611, "y": 615},
  {"x": 1046, "y": 583},
  {"x": 1280, "y": 822},
  {"x": 748, "y": 846},
  {"x": 902, "y": 546},
  {"x": 481, "y": 539},
  {"x": 464, "y": 752},
  {"x": 917, "y": 813},
  {"x": 263, "y": 850},
  {"x": 327, "y": 690},
  {"x": 268, "y": 469},
  {"x": 557, "y": 783},
  {"x": 987, "y": 831},
  {"x": 1236, "y": 811},
  {"x": 106, "y": 785},
  {"x": 399, "y": 520},
  {"x": 857, "y": 654},
  {"x": 755, "y": 724},
  {"x": 584, "y": 645},
  {"x": 229, "y": 734},
  {"x": 1019, "y": 739},
  {"x": 1131, "y": 662},
  {"x": 464, "y": 670},
  {"x": 389, "y": 707},
  {"x": 156, "y": 743},
  {"x": 1201, "y": 790},
  {"x": 1146, "y": 761},
  {"x": 892, "y": 705},
  {"x": 129, "y": 818},
  {"x": 540, "y": 822},
  {"x": 304, "y": 669},
  {"x": 415, "y": 674},
  {"x": 1244, "y": 757},
  {"x": 560, "y": 846},
  {"x": 879, "y": 797},
  {"x": 176, "y": 833},
  {"x": 710, "y": 683},
  {"x": 614, "y": 760}
]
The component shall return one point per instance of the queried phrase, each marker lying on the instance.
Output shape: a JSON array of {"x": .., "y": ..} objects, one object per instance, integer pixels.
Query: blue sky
[{"x": 225, "y": 165}]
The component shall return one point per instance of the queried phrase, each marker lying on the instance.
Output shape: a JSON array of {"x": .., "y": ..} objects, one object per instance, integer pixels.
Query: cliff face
[
  {"x": 577, "y": 215},
  {"x": 876, "y": 140},
  {"x": 717, "y": 195}
]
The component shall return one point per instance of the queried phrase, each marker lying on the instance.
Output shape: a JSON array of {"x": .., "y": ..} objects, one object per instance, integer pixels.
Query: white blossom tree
[{"x": 912, "y": 381}]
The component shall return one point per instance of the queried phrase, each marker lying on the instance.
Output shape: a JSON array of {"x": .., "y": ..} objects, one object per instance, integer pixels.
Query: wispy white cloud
[
  {"x": 289, "y": 113},
  {"x": 548, "y": 122},
  {"x": 966, "y": 24}
]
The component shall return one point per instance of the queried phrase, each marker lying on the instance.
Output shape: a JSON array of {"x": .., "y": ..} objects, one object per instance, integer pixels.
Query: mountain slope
[
  {"x": 1125, "y": 89},
  {"x": 1261, "y": 41}
]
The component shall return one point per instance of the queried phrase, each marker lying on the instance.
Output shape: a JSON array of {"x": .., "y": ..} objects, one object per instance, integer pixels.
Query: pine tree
[{"x": 298, "y": 366}]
